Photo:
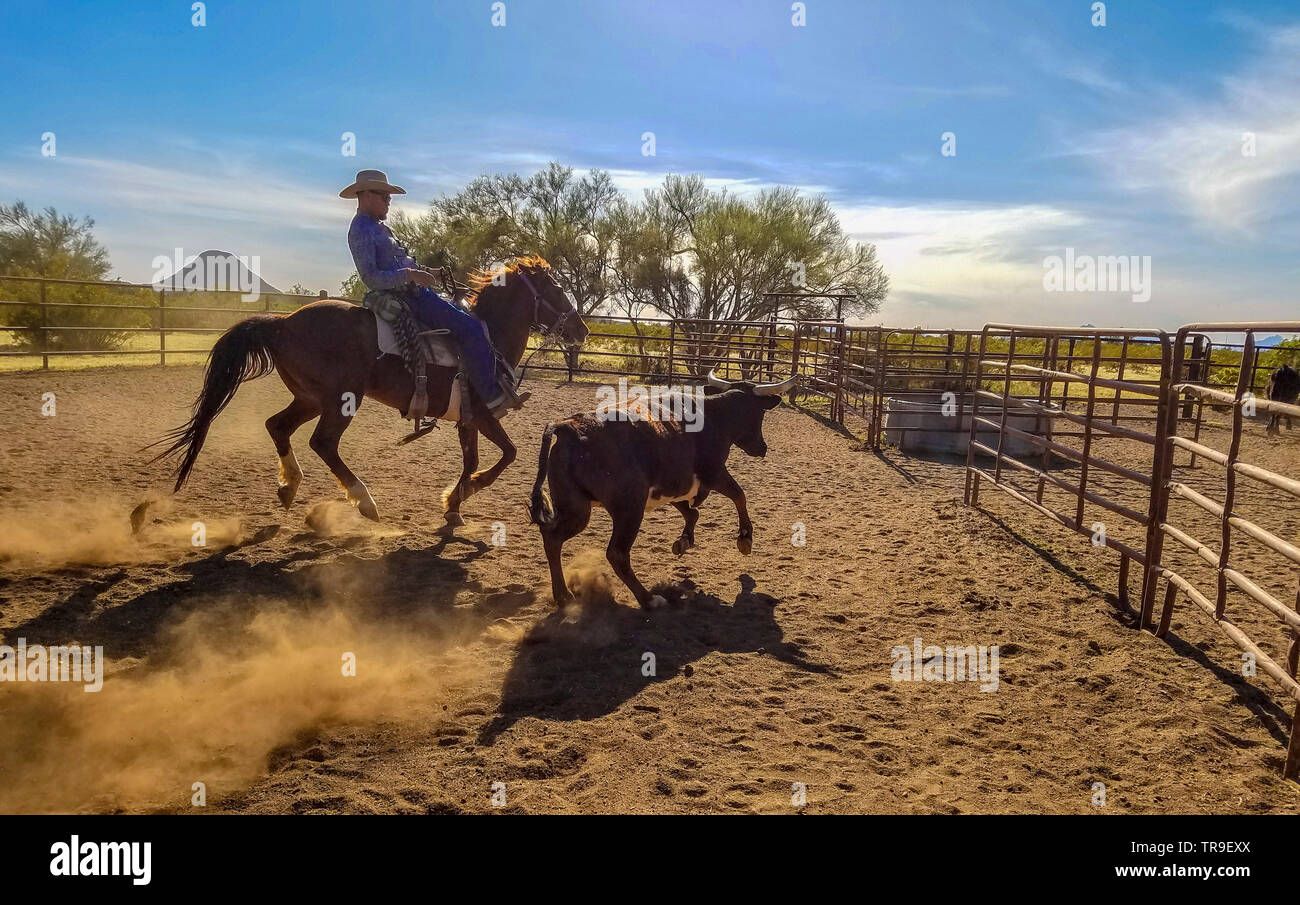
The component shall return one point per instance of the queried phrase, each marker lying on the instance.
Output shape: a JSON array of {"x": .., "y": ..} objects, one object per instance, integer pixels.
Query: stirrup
[{"x": 419, "y": 406}]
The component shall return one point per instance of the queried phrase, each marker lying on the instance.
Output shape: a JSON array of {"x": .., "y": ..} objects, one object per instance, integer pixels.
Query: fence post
[
  {"x": 162, "y": 326},
  {"x": 837, "y": 412},
  {"x": 672, "y": 347},
  {"x": 771, "y": 352},
  {"x": 794, "y": 363},
  {"x": 45, "y": 334},
  {"x": 1198, "y": 350},
  {"x": 878, "y": 397}
]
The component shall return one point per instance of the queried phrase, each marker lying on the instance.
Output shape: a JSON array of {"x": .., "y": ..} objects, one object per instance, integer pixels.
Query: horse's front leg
[
  {"x": 493, "y": 430},
  {"x": 454, "y": 495}
]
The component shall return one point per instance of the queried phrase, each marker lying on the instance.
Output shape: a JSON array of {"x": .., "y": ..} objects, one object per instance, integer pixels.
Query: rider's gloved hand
[{"x": 419, "y": 277}]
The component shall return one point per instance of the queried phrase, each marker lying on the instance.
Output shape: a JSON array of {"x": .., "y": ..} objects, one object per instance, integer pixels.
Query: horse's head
[{"x": 553, "y": 309}]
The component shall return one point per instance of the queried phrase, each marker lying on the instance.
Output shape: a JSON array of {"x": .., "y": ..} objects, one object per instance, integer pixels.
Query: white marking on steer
[{"x": 654, "y": 501}]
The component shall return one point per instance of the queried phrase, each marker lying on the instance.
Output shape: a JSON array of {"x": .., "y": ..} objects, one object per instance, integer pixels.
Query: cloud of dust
[
  {"x": 334, "y": 517},
  {"x": 228, "y": 690},
  {"x": 590, "y": 578},
  {"x": 99, "y": 532}
]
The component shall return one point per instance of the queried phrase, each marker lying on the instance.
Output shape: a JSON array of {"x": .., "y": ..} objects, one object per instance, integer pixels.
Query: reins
[{"x": 450, "y": 285}]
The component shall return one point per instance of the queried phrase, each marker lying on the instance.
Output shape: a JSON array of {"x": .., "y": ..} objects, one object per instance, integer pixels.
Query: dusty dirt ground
[{"x": 770, "y": 670}]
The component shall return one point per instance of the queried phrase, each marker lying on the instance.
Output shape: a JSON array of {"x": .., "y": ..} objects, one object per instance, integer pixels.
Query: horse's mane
[{"x": 478, "y": 279}]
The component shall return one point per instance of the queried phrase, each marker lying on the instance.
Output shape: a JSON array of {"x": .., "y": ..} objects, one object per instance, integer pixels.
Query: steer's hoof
[
  {"x": 681, "y": 545},
  {"x": 745, "y": 545},
  {"x": 286, "y": 493}
]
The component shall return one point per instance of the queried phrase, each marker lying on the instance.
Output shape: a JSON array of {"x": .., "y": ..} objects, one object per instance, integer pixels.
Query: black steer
[
  {"x": 629, "y": 467},
  {"x": 1283, "y": 386}
]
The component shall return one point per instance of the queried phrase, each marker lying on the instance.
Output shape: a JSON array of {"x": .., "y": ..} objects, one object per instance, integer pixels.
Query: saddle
[{"x": 399, "y": 333}]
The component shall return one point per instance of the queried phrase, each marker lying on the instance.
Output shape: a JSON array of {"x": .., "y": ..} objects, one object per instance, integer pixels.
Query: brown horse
[{"x": 327, "y": 354}]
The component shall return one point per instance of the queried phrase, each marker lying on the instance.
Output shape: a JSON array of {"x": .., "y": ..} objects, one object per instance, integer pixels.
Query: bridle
[
  {"x": 549, "y": 334},
  {"x": 561, "y": 317},
  {"x": 535, "y": 323}
]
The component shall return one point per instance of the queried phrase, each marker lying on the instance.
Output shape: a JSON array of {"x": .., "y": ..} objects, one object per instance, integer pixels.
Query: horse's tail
[
  {"x": 242, "y": 353},
  {"x": 540, "y": 511}
]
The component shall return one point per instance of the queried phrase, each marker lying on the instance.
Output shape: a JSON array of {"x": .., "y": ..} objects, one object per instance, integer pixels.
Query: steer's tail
[
  {"x": 540, "y": 511},
  {"x": 242, "y": 353}
]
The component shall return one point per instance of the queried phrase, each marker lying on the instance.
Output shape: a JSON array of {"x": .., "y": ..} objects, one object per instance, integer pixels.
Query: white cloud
[
  {"x": 1194, "y": 153},
  {"x": 958, "y": 264},
  {"x": 1062, "y": 65},
  {"x": 298, "y": 229}
]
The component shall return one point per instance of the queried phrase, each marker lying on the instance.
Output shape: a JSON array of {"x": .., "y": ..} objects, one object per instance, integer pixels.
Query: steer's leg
[
  {"x": 569, "y": 521},
  {"x": 687, "y": 540},
  {"x": 727, "y": 486},
  {"x": 571, "y": 510},
  {"x": 626, "y": 516}
]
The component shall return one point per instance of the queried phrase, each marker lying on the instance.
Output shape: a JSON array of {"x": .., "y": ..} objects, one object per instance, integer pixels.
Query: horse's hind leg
[
  {"x": 281, "y": 426},
  {"x": 325, "y": 443}
]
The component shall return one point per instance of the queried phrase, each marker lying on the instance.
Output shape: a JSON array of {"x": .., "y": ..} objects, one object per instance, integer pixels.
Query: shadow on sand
[
  {"x": 417, "y": 587},
  {"x": 579, "y": 666}
]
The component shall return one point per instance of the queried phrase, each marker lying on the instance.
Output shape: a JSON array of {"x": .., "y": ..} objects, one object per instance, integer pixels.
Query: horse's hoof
[
  {"x": 454, "y": 519},
  {"x": 655, "y": 602},
  {"x": 286, "y": 493},
  {"x": 681, "y": 545},
  {"x": 369, "y": 510},
  {"x": 745, "y": 545}
]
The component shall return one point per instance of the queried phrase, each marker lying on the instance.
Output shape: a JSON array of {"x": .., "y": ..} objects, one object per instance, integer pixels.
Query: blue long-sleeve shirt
[{"x": 381, "y": 260}]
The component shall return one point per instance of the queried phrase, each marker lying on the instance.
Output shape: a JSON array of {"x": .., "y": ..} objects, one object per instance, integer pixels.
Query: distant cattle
[
  {"x": 631, "y": 466},
  {"x": 1283, "y": 386}
]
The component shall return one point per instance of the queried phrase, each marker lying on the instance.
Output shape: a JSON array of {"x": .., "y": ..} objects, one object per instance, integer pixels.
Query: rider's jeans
[{"x": 440, "y": 314}]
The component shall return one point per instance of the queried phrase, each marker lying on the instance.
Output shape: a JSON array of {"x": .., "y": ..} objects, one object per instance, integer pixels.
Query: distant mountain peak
[{"x": 214, "y": 269}]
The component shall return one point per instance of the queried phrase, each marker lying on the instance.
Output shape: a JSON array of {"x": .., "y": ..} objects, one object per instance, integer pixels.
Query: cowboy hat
[{"x": 371, "y": 181}]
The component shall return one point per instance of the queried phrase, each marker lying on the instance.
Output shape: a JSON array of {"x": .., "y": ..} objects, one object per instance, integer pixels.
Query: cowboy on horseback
[
  {"x": 384, "y": 264},
  {"x": 328, "y": 355}
]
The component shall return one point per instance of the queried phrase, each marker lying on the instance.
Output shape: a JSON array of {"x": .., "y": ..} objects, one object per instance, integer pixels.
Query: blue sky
[{"x": 1116, "y": 140}]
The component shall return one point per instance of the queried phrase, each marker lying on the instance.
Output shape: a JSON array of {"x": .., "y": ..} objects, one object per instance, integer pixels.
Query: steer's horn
[
  {"x": 716, "y": 381},
  {"x": 775, "y": 389}
]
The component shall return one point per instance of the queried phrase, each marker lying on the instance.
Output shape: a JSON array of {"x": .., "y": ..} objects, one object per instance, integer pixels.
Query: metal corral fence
[
  {"x": 49, "y": 319},
  {"x": 1142, "y": 477},
  {"x": 989, "y": 435},
  {"x": 1229, "y": 571}
]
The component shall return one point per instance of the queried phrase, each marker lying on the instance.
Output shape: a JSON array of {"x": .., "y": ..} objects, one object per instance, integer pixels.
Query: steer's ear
[{"x": 770, "y": 402}]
